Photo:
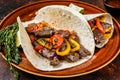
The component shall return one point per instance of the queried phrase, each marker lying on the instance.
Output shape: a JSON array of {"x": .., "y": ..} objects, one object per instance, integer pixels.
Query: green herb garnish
[{"x": 8, "y": 43}]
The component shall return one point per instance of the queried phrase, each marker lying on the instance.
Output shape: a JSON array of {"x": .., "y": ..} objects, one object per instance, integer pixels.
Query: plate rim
[{"x": 52, "y": 76}]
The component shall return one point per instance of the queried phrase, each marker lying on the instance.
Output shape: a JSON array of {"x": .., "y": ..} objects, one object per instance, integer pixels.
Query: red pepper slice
[
  {"x": 99, "y": 26},
  {"x": 36, "y": 28},
  {"x": 33, "y": 28},
  {"x": 59, "y": 40},
  {"x": 91, "y": 24},
  {"x": 38, "y": 47}
]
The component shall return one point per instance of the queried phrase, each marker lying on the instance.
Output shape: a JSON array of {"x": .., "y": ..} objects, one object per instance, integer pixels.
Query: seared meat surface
[
  {"x": 45, "y": 32},
  {"x": 55, "y": 61},
  {"x": 63, "y": 33},
  {"x": 98, "y": 36},
  {"x": 105, "y": 25},
  {"x": 73, "y": 57},
  {"x": 83, "y": 52}
]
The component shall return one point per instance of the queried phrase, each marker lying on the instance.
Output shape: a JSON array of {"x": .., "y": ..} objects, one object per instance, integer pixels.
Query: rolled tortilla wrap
[
  {"x": 60, "y": 17},
  {"x": 108, "y": 19}
]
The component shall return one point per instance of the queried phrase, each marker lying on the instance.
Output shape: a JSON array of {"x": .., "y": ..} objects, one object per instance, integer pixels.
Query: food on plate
[
  {"x": 56, "y": 45},
  {"x": 57, "y": 38},
  {"x": 8, "y": 43},
  {"x": 101, "y": 26},
  {"x": 8, "y": 46}
]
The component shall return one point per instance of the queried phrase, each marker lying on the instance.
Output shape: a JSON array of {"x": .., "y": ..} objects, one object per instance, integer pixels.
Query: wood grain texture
[{"x": 110, "y": 72}]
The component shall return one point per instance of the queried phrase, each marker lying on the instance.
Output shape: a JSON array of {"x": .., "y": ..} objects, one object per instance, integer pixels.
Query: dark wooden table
[{"x": 110, "y": 72}]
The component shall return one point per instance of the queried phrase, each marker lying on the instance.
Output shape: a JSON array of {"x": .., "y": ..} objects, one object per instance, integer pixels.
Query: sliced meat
[
  {"x": 106, "y": 26},
  {"x": 35, "y": 43},
  {"x": 45, "y": 32},
  {"x": 83, "y": 52},
  {"x": 63, "y": 33},
  {"x": 55, "y": 61},
  {"x": 98, "y": 36},
  {"x": 74, "y": 36},
  {"x": 73, "y": 57}
]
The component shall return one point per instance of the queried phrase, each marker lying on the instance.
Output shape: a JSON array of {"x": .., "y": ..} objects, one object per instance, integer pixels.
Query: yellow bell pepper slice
[
  {"x": 66, "y": 51},
  {"x": 41, "y": 42},
  {"x": 106, "y": 36},
  {"x": 77, "y": 45}
]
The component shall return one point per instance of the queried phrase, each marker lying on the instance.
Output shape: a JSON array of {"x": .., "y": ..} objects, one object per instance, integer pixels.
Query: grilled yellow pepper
[
  {"x": 77, "y": 45},
  {"x": 41, "y": 41},
  {"x": 66, "y": 51}
]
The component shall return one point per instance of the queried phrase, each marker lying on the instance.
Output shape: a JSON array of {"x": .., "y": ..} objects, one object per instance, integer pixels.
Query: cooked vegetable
[
  {"x": 50, "y": 54},
  {"x": 57, "y": 40},
  {"x": 64, "y": 52},
  {"x": 56, "y": 45},
  {"x": 99, "y": 26},
  {"x": 41, "y": 41},
  {"x": 92, "y": 24},
  {"x": 43, "y": 24},
  {"x": 48, "y": 45},
  {"x": 38, "y": 48},
  {"x": 76, "y": 44},
  {"x": 101, "y": 30},
  {"x": 106, "y": 36},
  {"x": 32, "y": 38},
  {"x": 103, "y": 18},
  {"x": 33, "y": 27}
]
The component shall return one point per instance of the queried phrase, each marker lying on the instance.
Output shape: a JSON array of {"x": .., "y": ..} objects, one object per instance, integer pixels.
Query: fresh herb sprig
[{"x": 8, "y": 41}]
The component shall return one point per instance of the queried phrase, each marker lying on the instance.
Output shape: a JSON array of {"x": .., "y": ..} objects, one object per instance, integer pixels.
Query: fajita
[{"x": 60, "y": 18}]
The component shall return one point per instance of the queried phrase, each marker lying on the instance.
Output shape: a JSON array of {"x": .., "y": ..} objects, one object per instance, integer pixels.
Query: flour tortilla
[
  {"x": 60, "y": 17},
  {"x": 107, "y": 20}
]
